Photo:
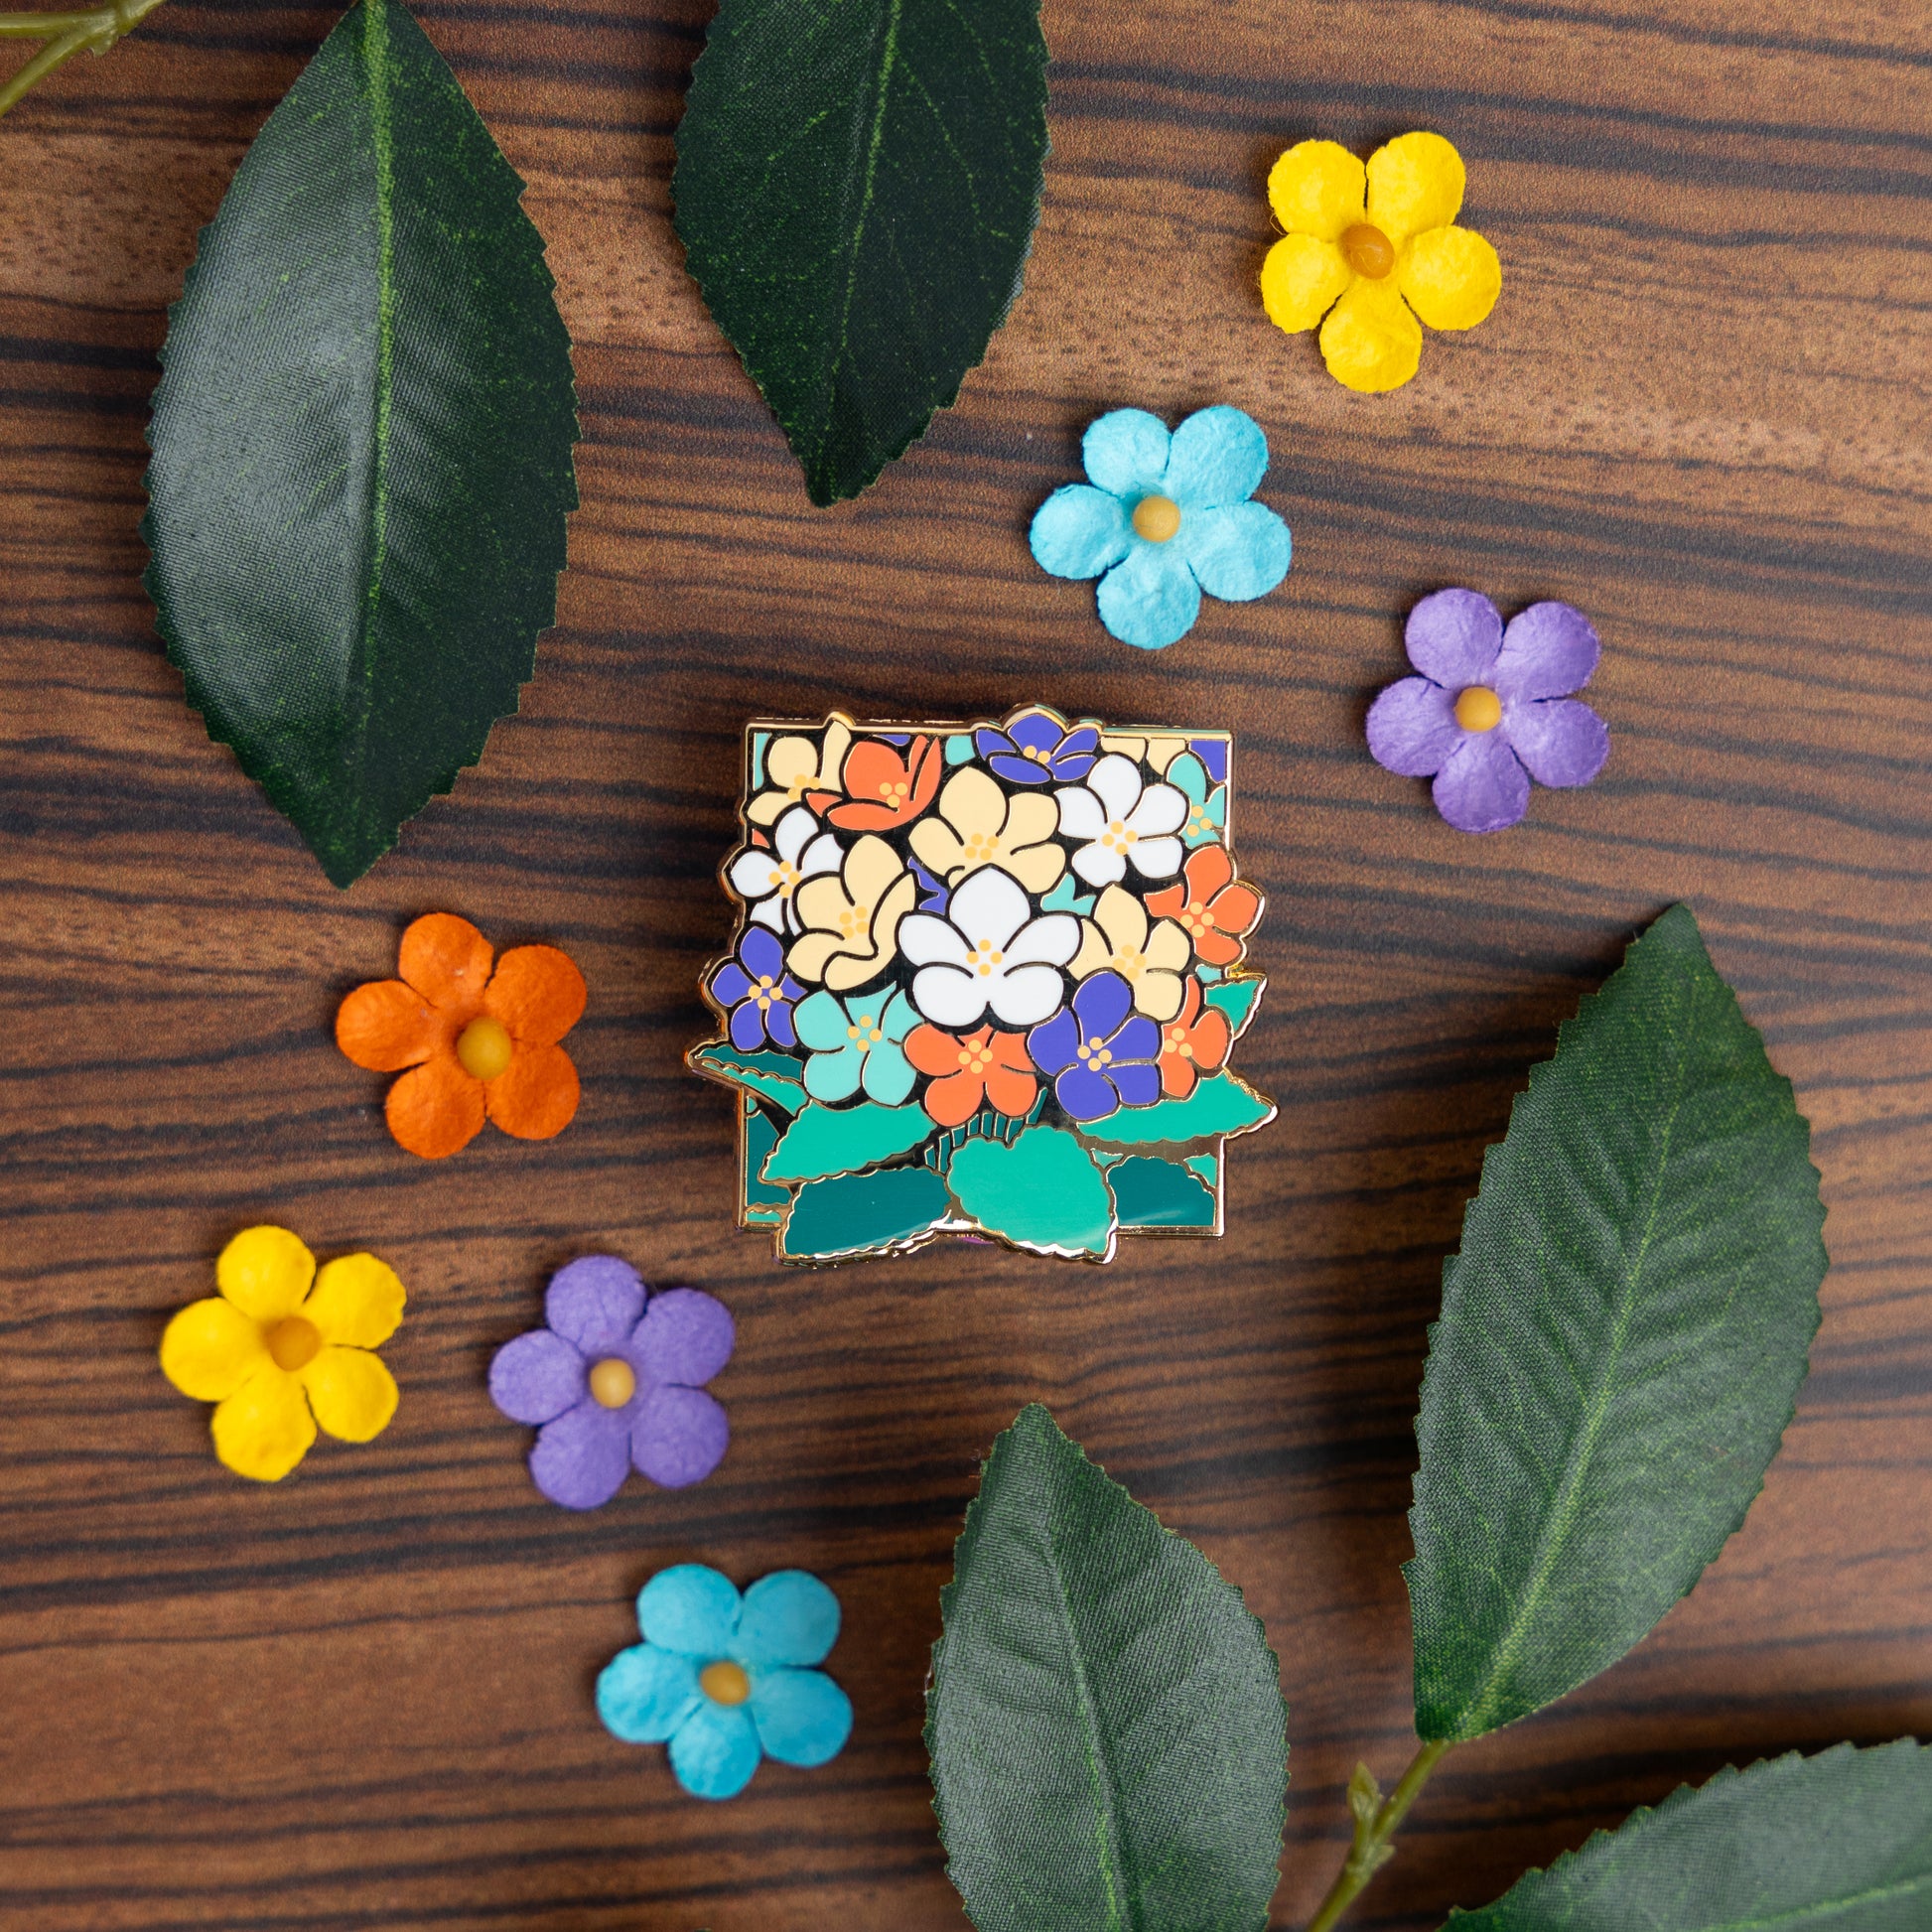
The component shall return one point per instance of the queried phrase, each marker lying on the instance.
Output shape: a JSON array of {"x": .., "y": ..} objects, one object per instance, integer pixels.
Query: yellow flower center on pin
[
  {"x": 725, "y": 1682},
  {"x": 1156, "y": 518},
  {"x": 484, "y": 1048},
  {"x": 1367, "y": 250},
  {"x": 293, "y": 1343},
  {"x": 1478, "y": 709},
  {"x": 612, "y": 1382},
  {"x": 1178, "y": 1043},
  {"x": 1094, "y": 1053}
]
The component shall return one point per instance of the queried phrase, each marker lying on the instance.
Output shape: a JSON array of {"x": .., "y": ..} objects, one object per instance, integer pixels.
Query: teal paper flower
[
  {"x": 1162, "y": 518},
  {"x": 726, "y": 1680},
  {"x": 855, "y": 1044},
  {"x": 1208, "y": 804}
]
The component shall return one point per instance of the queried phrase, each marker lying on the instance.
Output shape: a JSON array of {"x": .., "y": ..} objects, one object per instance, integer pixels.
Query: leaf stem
[
  {"x": 1376, "y": 1818},
  {"x": 64, "y": 34}
]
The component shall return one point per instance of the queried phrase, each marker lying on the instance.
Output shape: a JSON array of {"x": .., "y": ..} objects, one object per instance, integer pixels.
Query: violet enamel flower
[
  {"x": 1034, "y": 749},
  {"x": 613, "y": 1382},
  {"x": 1102, "y": 1054},
  {"x": 758, "y": 992},
  {"x": 1492, "y": 707}
]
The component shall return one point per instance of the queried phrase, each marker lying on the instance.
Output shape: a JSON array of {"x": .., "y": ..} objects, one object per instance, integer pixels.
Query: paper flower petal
[
  {"x": 264, "y": 1428},
  {"x": 582, "y": 1457},
  {"x": 1151, "y": 599},
  {"x": 692, "y": 1609},
  {"x": 678, "y": 1436},
  {"x": 686, "y": 1336},
  {"x": 356, "y": 1301},
  {"x": 265, "y": 1272},
  {"x": 1562, "y": 741},
  {"x": 802, "y": 1718},
  {"x": 537, "y": 1377},
  {"x": 1482, "y": 786},
  {"x": 536, "y": 1098},
  {"x": 1302, "y": 278},
  {"x": 1219, "y": 456},
  {"x": 1317, "y": 188},
  {"x": 1415, "y": 183},
  {"x": 1549, "y": 650},
  {"x": 644, "y": 1693},
  {"x": 715, "y": 1750},
  {"x": 1079, "y": 531},
  {"x": 1453, "y": 636},
  {"x": 537, "y": 993},
  {"x": 595, "y": 1303},
  {"x": 352, "y": 1394},
  {"x": 447, "y": 960},
  {"x": 1412, "y": 728},
  {"x": 435, "y": 1109},
  {"x": 789, "y": 1619},
  {"x": 1126, "y": 452},
  {"x": 1451, "y": 277},
  {"x": 386, "y": 1026},
  {"x": 1237, "y": 552},
  {"x": 210, "y": 1348},
  {"x": 1371, "y": 339}
]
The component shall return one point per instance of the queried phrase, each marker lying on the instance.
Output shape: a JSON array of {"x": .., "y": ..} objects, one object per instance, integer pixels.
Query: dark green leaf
[
  {"x": 856, "y": 186},
  {"x": 1151, "y": 1193},
  {"x": 1043, "y": 1192},
  {"x": 1105, "y": 1718},
  {"x": 1839, "y": 1843},
  {"x": 776, "y": 1077},
  {"x": 1223, "y": 1103},
  {"x": 1621, "y": 1341},
  {"x": 840, "y": 1140},
  {"x": 851, "y": 1212},
  {"x": 363, "y": 444}
]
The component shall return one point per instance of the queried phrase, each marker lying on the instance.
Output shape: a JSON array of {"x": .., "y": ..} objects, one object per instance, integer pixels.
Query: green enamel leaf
[
  {"x": 1104, "y": 1716},
  {"x": 776, "y": 1077},
  {"x": 840, "y": 1140},
  {"x": 1223, "y": 1103},
  {"x": 1237, "y": 1000},
  {"x": 857, "y": 184},
  {"x": 361, "y": 446},
  {"x": 1620, "y": 1346},
  {"x": 1842, "y": 1841},
  {"x": 1151, "y": 1193},
  {"x": 1043, "y": 1192},
  {"x": 762, "y": 1204},
  {"x": 852, "y": 1212}
]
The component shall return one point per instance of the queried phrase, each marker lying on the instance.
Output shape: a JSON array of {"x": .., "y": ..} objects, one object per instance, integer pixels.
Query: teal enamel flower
[
  {"x": 856, "y": 1045},
  {"x": 1207, "y": 803}
]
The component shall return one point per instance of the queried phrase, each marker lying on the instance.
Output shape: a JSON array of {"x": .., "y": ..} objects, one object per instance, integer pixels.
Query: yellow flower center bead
[
  {"x": 1367, "y": 250},
  {"x": 725, "y": 1682},
  {"x": 612, "y": 1382},
  {"x": 293, "y": 1343},
  {"x": 1478, "y": 709},
  {"x": 484, "y": 1048},
  {"x": 1156, "y": 518}
]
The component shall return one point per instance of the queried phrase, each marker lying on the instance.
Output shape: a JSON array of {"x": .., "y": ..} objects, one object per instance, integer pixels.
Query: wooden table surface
[{"x": 361, "y": 1698}]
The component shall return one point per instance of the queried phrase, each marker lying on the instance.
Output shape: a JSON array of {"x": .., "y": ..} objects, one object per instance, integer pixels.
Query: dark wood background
[{"x": 361, "y": 1698}]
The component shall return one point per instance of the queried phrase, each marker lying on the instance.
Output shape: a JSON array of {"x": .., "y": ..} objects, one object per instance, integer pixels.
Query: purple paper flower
[
  {"x": 1102, "y": 1053},
  {"x": 759, "y": 991},
  {"x": 1033, "y": 749},
  {"x": 613, "y": 1384},
  {"x": 1492, "y": 707}
]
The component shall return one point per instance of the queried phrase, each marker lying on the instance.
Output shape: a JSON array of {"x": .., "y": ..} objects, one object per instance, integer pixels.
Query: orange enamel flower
[
  {"x": 476, "y": 1043},
  {"x": 1193, "y": 1043},
  {"x": 1212, "y": 907},
  {"x": 884, "y": 789},
  {"x": 970, "y": 1070}
]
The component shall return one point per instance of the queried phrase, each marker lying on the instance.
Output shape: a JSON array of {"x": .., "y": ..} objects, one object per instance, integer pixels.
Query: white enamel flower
[
  {"x": 1124, "y": 823},
  {"x": 768, "y": 875},
  {"x": 988, "y": 952}
]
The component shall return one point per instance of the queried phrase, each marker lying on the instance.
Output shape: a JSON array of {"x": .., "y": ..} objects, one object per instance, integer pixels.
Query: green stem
[
  {"x": 1375, "y": 1826},
  {"x": 64, "y": 35}
]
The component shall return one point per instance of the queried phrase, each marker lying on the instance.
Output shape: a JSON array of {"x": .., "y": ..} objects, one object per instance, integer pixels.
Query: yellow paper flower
[
  {"x": 851, "y": 918},
  {"x": 1371, "y": 249},
  {"x": 798, "y": 766},
  {"x": 1117, "y": 939},
  {"x": 282, "y": 1348},
  {"x": 979, "y": 825}
]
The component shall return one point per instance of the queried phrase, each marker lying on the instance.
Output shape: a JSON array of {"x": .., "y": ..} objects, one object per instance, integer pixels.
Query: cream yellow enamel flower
[
  {"x": 851, "y": 918},
  {"x": 797, "y": 765},
  {"x": 1370, "y": 249},
  {"x": 1118, "y": 940},
  {"x": 283, "y": 1348},
  {"x": 979, "y": 825}
]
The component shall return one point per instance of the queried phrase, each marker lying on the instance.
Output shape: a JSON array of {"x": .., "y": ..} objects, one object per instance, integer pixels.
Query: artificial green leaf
[
  {"x": 1042, "y": 1191},
  {"x": 1150, "y": 1193},
  {"x": 1620, "y": 1346},
  {"x": 361, "y": 445},
  {"x": 851, "y": 1213},
  {"x": 840, "y": 1140},
  {"x": 1237, "y": 1000},
  {"x": 776, "y": 1077},
  {"x": 1104, "y": 1716},
  {"x": 1842, "y": 1841},
  {"x": 856, "y": 186},
  {"x": 1222, "y": 1103}
]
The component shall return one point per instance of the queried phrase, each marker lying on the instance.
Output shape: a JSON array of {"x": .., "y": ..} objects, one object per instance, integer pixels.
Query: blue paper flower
[
  {"x": 726, "y": 1680},
  {"x": 1163, "y": 518},
  {"x": 1102, "y": 1053},
  {"x": 1034, "y": 749}
]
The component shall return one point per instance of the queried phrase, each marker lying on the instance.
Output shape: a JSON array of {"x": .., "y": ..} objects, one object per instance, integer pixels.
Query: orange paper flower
[
  {"x": 1215, "y": 910},
  {"x": 477, "y": 1044},
  {"x": 884, "y": 789},
  {"x": 1193, "y": 1043},
  {"x": 981, "y": 1069}
]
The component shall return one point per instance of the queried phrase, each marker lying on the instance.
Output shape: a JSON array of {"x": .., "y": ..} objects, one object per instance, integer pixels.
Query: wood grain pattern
[{"x": 1701, "y": 412}]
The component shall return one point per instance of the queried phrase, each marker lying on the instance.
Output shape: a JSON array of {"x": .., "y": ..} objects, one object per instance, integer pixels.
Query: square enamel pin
[{"x": 986, "y": 982}]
